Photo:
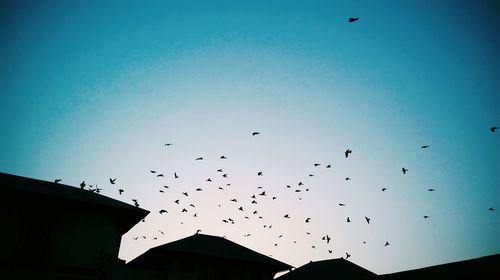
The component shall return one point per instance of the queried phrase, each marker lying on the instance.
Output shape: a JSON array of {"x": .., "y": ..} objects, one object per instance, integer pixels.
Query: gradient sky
[{"x": 92, "y": 90}]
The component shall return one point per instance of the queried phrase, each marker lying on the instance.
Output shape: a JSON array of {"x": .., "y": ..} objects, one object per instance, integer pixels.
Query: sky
[{"x": 92, "y": 90}]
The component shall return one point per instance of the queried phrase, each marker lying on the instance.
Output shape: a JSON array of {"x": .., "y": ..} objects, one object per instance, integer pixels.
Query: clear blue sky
[{"x": 92, "y": 90}]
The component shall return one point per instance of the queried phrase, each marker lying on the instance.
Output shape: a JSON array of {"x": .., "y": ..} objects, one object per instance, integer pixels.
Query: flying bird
[
  {"x": 152, "y": 171},
  {"x": 353, "y": 19},
  {"x": 241, "y": 208},
  {"x": 176, "y": 201},
  {"x": 199, "y": 189},
  {"x": 163, "y": 211},
  {"x": 255, "y": 133},
  {"x": 209, "y": 180},
  {"x": 404, "y": 170},
  {"x": 317, "y": 164},
  {"x": 175, "y": 175},
  {"x": 234, "y": 200},
  {"x": 184, "y": 210},
  {"x": 112, "y": 181},
  {"x": 307, "y": 220},
  {"x": 341, "y": 204},
  {"x": 367, "y": 220},
  {"x": 384, "y": 189},
  {"x": 347, "y": 255},
  {"x": 200, "y": 158},
  {"x": 347, "y": 152},
  {"x": 387, "y": 243},
  {"x": 185, "y": 193},
  {"x": 348, "y": 220},
  {"x": 329, "y": 166},
  {"x": 493, "y": 128},
  {"x": 223, "y": 157},
  {"x": 424, "y": 146},
  {"x": 120, "y": 191},
  {"x": 259, "y": 173},
  {"x": 491, "y": 209},
  {"x": 425, "y": 217},
  {"x": 160, "y": 175},
  {"x": 431, "y": 190}
]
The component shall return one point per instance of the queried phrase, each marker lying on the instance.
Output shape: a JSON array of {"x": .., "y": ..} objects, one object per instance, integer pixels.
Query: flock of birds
[{"x": 185, "y": 206}]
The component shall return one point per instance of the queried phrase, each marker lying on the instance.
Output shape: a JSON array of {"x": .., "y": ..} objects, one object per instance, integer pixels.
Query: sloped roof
[
  {"x": 329, "y": 269},
  {"x": 479, "y": 268},
  {"x": 211, "y": 246},
  {"x": 14, "y": 183}
]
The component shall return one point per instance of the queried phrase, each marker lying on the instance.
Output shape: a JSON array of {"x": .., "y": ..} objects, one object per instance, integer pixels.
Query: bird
[
  {"x": 160, "y": 175},
  {"x": 367, "y": 219},
  {"x": 431, "y": 190},
  {"x": 199, "y": 189},
  {"x": 493, "y": 128},
  {"x": 241, "y": 208},
  {"x": 209, "y": 180},
  {"x": 176, "y": 201},
  {"x": 317, "y": 164},
  {"x": 192, "y": 205},
  {"x": 348, "y": 220},
  {"x": 82, "y": 185},
  {"x": 223, "y": 157},
  {"x": 152, "y": 171},
  {"x": 424, "y": 146},
  {"x": 384, "y": 189},
  {"x": 57, "y": 181},
  {"x": 259, "y": 173},
  {"x": 307, "y": 220},
  {"x": 287, "y": 216},
  {"x": 184, "y": 210},
  {"x": 199, "y": 158},
  {"x": 274, "y": 197},
  {"x": 347, "y": 255},
  {"x": 329, "y": 166},
  {"x": 353, "y": 19},
  {"x": 163, "y": 211},
  {"x": 341, "y": 204},
  {"x": 120, "y": 191},
  {"x": 224, "y": 175},
  {"x": 288, "y": 186},
  {"x": 219, "y": 170},
  {"x": 175, "y": 175},
  {"x": 185, "y": 193},
  {"x": 161, "y": 232},
  {"x": 161, "y": 191},
  {"x": 255, "y": 133},
  {"x": 425, "y": 217},
  {"x": 347, "y": 152},
  {"x": 262, "y": 193},
  {"x": 198, "y": 231},
  {"x": 491, "y": 209},
  {"x": 387, "y": 243},
  {"x": 330, "y": 251},
  {"x": 234, "y": 200},
  {"x": 404, "y": 170},
  {"x": 347, "y": 178},
  {"x": 112, "y": 181},
  {"x": 301, "y": 184}
]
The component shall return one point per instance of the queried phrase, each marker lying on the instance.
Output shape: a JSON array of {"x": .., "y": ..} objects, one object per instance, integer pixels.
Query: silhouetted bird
[
  {"x": 219, "y": 170},
  {"x": 347, "y": 178},
  {"x": 120, "y": 191},
  {"x": 431, "y": 190},
  {"x": 176, "y": 201},
  {"x": 341, "y": 204},
  {"x": 112, "y": 181},
  {"x": 425, "y": 217},
  {"x": 367, "y": 219},
  {"x": 255, "y": 133},
  {"x": 353, "y": 19},
  {"x": 491, "y": 209},
  {"x": 223, "y": 157},
  {"x": 184, "y": 210},
  {"x": 259, "y": 173},
  {"x": 199, "y": 189},
  {"x": 330, "y": 251},
  {"x": 274, "y": 197},
  {"x": 301, "y": 184},
  {"x": 198, "y": 231},
  {"x": 287, "y": 216},
  {"x": 82, "y": 185},
  {"x": 307, "y": 220},
  {"x": 163, "y": 211},
  {"x": 288, "y": 186},
  {"x": 185, "y": 193},
  {"x": 200, "y": 158},
  {"x": 241, "y": 208},
  {"x": 254, "y": 202},
  {"x": 347, "y": 152},
  {"x": 160, "y": 175},
  {"x": 209, "y": 180},
  {"x": 224, "y": 175},
  {"x": 348, "y": 220},
  {"x": 404, "y": 170},
  {"x": 317, "y": 164},
  {"x": 192, "y": 205},
  {"x": 161, "y": 232},
  {"x": 347, "y": 255},
  {"x": 493, "y": 128},
  {"x": 424, "y": 146},
  {"x": 161, "y": 191},
  {"x": 57, "y": 181},
  {"x": 263, "y": 193},
  {"x": 175, "y": 175},
  {"x": 297, "y": 190},
  {"x": 234, "y": 200},
  {"x": 384, "y": 189},
  {"x": 387, "y": 243},
  {"x": 166, "y": 187},
  {"x": 152, "y": 171}
]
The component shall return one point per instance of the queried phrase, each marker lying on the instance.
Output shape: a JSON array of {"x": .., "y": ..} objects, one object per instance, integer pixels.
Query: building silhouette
[{"x": 54, "y": 231}]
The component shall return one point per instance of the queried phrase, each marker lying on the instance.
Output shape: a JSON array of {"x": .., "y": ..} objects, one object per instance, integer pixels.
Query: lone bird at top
[
  {"x": 347, "y": 152},
  {"x": 353, "y": 19}
]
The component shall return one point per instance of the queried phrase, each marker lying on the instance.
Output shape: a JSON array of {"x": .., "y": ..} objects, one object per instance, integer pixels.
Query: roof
[
  {"x": 14, "y": 183},
  {"x": 210, "y": 246},
  {"x": 329, "y": 269},
  {"x": 477, "y": 268}
]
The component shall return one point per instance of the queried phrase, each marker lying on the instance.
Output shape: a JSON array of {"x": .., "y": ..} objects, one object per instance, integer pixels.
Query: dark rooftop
[
  {"x": 210, "y": 246},
  {"x": 329, "y": 269},
  {"x": 14, "y": 183}
]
